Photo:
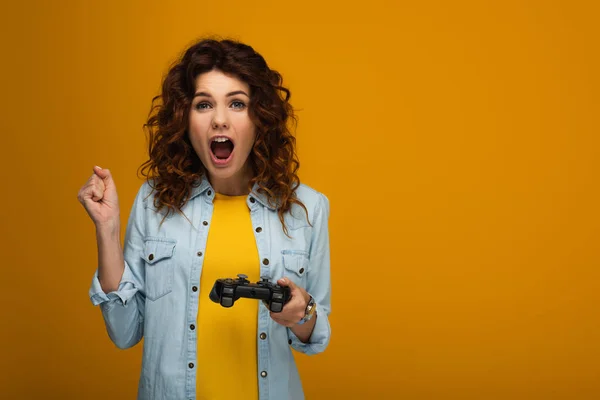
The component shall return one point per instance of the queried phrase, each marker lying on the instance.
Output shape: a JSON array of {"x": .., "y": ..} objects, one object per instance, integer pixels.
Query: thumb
[
  {"x": 286, "y": 282},
  {"x": 104, "y": 174}
]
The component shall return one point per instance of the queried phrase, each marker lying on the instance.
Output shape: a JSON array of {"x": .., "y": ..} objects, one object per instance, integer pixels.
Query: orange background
[{"x": 457, "y": 142}]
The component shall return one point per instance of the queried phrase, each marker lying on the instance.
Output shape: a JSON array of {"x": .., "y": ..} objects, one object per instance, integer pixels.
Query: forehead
[{"x": 217, "y": 82}]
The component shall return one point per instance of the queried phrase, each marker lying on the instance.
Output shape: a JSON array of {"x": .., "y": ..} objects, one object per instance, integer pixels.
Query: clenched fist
[{"x": 99, "y": 198}]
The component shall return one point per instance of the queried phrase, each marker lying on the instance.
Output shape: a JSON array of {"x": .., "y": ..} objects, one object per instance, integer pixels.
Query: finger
[
  {"x": 97, "y": 193},
  {"x": 282, "y": 321},
  {"x": 97, "y": 188},
  {"x": 92, "y": 191},
  {"x": 291, "y": 313},
  {"x": 287, "y": 282},
  {"x": 98, "y": 181},
  {"x": 283, "y": 316},
  {"x": 277, "y": 318},
  {"x": 296, "y": 292},
  {"x": 104, "y": 174}
]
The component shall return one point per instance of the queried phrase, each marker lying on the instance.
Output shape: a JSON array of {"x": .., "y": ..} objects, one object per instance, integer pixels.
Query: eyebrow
[{"x": 228, "y": 94}]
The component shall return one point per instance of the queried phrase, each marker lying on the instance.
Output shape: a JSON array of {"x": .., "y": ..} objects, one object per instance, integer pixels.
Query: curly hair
[{"x": 174, "y": 168}]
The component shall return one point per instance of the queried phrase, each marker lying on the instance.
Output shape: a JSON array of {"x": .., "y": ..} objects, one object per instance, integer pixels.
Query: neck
[{"x": 236, "y": 185}]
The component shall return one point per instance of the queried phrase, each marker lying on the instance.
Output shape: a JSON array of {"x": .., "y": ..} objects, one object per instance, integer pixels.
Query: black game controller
[{"x": 226, "y": 291}]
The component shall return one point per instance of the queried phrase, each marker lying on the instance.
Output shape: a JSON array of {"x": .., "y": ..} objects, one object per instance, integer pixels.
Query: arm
[
  {"x": 313, "y": 336},
  {"x": 117, "y": 286},
  {"x": 110, "y": 255}
]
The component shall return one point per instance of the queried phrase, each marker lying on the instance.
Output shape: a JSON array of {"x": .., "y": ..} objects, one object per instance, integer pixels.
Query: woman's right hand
[{"x": 99, "y": 198}]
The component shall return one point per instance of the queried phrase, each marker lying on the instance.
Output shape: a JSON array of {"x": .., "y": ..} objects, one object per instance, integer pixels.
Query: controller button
[
  {"x": 263, "y": 374},
  {"x": 276, "y": 307},
  {"x": 227, "y": 302},
  {"x": 263, "y": 336},
  {"x": 277, "y": 296},
  {"x": 228, "y": 290}
]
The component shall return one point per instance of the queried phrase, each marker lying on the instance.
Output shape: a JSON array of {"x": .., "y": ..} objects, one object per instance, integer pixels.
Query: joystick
[{"x": 226, "y": 291}]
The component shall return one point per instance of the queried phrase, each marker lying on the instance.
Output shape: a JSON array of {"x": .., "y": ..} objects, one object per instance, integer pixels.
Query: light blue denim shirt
[{"x": 157, "y": 298}]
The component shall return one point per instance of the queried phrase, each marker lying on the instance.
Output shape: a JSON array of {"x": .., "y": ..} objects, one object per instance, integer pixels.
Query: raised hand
[{"x": 99, "y": 198}]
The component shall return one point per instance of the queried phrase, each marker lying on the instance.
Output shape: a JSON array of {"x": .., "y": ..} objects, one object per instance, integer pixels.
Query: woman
[{"x": 221, "y": 198}]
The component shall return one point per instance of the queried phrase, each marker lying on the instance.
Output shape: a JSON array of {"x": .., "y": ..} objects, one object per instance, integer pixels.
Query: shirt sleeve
[
  {"x": 318, "y": 282},
  {"x": 123, "y": 309}
]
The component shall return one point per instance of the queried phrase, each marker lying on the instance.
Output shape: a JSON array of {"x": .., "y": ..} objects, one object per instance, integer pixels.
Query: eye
[
  {"x": 203, "y": 105},
  {"x": 239, "y": 105}
]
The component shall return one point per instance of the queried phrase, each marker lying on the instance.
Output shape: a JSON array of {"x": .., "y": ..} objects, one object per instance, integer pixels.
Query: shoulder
[
  {"x": 144, "y": 196},
  {"x": 309, "y": 195},
  {"x": 316, "y": 202}
]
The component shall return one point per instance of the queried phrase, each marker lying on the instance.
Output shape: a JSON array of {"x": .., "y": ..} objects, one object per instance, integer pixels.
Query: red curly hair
[{"x": 174, "y": 168}]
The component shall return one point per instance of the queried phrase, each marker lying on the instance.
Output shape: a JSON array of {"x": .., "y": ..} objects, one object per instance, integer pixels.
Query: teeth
[{"x": 220, "y": 139}]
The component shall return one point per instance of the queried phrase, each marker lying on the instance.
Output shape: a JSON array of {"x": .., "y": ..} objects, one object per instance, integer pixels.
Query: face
[{"x": 221, "y": 131}]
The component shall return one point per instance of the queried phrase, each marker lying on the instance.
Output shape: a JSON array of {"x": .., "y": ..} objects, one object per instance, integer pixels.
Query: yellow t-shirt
[{"x": 227, "y": 337}]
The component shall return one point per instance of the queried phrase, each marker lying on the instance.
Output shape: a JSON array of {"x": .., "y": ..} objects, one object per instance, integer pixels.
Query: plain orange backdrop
[{"x": 457, "y": 142}]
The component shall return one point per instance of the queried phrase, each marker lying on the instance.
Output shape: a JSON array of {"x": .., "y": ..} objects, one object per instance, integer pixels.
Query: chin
[{"x": 224, "y": 173}]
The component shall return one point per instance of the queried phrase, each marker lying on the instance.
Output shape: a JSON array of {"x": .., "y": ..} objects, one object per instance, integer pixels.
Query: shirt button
[
  {"x": 301, "y": 270},
  {"x": 204, "y": 223},
  {"x": 199, "y": 254},
  {"x": 266, "y": 261},
  {"x": 191, "y": 365},
  {"x": 263, "y": 374},
  {"x": 259, "y": 229},
  {"x": 263, "y": 336},
  {"x": 194, "y": 288},
  {"x": 192, "y": 327},
  {"x": 209, "y": 192},
  {"x": 289, "y": 341},
  {"x": 151, "y": 257},
  {"x": 252, "y": 200}
]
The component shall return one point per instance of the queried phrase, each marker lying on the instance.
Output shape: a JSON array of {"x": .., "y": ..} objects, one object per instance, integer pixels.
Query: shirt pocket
[
  {"x": 295, "y": 266},
  {"x": 160, "y": 266}
]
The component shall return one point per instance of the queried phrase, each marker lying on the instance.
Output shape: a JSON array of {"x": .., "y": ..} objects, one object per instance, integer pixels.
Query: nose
[
  {"x": 220, "y": 121},
  {"x": 216, "y": 124}
]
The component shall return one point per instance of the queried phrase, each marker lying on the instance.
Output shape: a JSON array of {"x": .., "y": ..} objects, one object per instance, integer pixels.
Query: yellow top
[{"x": 227, "y": 337}]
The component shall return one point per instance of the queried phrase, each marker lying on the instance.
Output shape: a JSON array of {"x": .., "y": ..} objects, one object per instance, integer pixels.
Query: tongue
[{"x": 222, "y": 150}]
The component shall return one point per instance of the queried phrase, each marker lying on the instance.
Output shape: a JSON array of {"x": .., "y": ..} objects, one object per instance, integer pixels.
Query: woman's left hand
[{"x": 293, "y": 311}]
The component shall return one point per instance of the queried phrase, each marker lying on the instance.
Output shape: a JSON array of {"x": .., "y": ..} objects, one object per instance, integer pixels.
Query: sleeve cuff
[
  {"x": 124, "y": 292},
  {"x": 319, "y": 339}
]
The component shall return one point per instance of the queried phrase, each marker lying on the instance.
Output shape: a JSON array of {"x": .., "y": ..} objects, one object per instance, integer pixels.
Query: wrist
[
  {"x": 310, "y": 310},
  {"x": 306, "y": 297},
  {"x": 109, "y": 230}
]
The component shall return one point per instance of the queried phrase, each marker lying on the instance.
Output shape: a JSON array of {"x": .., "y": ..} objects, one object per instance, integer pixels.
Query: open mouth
[{"x": 221, "y": 147}]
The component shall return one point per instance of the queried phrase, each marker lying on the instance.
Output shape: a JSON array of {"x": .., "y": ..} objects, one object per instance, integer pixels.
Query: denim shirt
[{"x": 157, "y": 298}]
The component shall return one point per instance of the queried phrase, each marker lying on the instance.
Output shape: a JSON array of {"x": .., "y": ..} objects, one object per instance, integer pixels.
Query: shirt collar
[{"x": 204, "y": 186}]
